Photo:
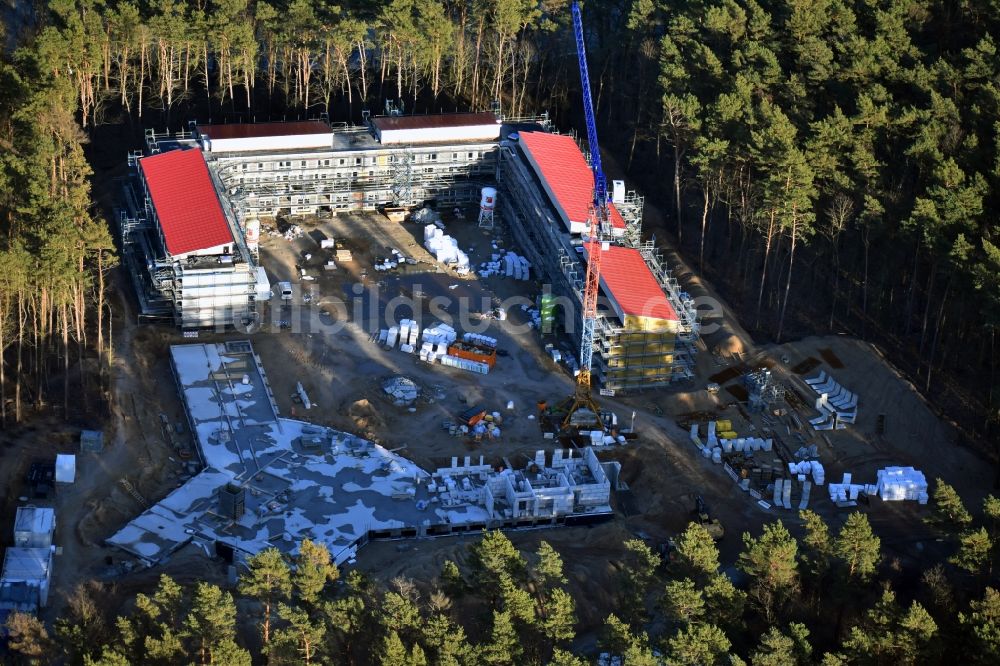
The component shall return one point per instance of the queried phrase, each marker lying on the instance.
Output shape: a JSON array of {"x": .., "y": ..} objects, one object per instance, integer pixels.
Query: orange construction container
[{"x": 470, "y": 352}]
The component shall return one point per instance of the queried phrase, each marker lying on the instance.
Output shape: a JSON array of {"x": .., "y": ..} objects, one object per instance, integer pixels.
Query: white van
[{"x": 285, "y": 288}]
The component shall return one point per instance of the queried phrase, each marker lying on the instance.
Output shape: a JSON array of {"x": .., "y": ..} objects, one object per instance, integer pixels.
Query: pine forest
[{"x": 830, "y": 166}]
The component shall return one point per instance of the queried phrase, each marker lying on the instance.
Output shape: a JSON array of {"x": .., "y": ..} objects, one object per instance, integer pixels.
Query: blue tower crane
[{"x": 583, "y": 412}]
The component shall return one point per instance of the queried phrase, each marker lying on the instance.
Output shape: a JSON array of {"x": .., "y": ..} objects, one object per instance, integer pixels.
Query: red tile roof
[
  {"x": 569, "y": 178},
  {"x": 186, "y": 204},
  {"x": 430, "y": 120},
  {"x": 257, "y": 130},
  {"x": 629, "y": 282}
]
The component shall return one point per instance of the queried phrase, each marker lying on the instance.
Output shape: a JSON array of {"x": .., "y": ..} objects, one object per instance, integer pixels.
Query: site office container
[{"x": 471, "y": 352}]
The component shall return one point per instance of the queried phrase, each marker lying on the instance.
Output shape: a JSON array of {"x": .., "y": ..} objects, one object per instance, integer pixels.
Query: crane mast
[{"x": 582, "y": 398}]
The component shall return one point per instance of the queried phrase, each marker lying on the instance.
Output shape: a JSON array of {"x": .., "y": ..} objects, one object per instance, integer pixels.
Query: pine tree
[
  {"x": 516, "y": 600},
  {"x": 451, "y": 579},
  {"x": 817, "y": 547},
  {"x": 618, "y": 639},
  {"x": 300, "y": 641},
  {"x": 950, "y": 513},
  {"x": 683, "y": 602},
  {"x": 210, "y": 623},
  {"x": 635, "y": 577},
  {"x": 269, "y": 581},
  {"x": 780, "y": 649},
  {"x": 491, "y": 559},
  {"x": 417, "y": 656},
  {"x": 558, "y": 622},
  {"x": 313, "y": 570},
  {"x": 108, "y": 657},
  {"x": 447, "y": 642},
  {"x": 982, "y": 627},
  {"x": 698, "y": 645},
  {"x": 564, "y": 658},
  {"x": 392, "y": 651},
  {"x": 345, "y": 615},
  {"x": 975, "y": 551},
  {"x": 503, "y": 648},
  {"x": 398, "y": 613},
  {"x": 858, "y": 548},
  {"x": 890, "y": 634},
  {"x": 696, "y": 556},
  {"x": 724, "y": 603},
  {"x": 549, "y": 570},
  {"x": 771, "y": 563}
]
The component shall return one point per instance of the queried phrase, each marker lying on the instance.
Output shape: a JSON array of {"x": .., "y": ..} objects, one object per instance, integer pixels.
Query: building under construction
[
  {"x": 190, "y": 214},
  {"x": 190, "y": 219},
  {"x": 646, "y": 331}
]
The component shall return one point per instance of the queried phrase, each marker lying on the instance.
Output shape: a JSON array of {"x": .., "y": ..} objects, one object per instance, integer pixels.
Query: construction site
[
  {"x": 462, "y": 252},
  {"x": 388, "y": 337}
]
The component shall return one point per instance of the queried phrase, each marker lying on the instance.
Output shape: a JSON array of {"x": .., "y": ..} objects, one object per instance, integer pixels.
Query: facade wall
[
  {"x": 349, "y": 180},
  {"x": 424, "y": 135},
  {"x": 263, "y": 143},
  {"x": 214, "y": 296}
]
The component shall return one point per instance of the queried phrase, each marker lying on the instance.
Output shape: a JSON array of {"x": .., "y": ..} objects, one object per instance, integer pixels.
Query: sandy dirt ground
[{"x": 329, "y": 351}]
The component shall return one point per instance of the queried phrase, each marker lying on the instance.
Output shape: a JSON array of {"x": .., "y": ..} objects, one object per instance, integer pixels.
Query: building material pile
[
  {"x": 445, "y": 248},
  {"x": 406, "y": 334},
  {"x": 436, "y": 340},
  {"x": 802, "y": 470},
  {"x": 837, "y": 406},
  {"x": 901, "y": 483},
  {"x": 508, "y": 264}
]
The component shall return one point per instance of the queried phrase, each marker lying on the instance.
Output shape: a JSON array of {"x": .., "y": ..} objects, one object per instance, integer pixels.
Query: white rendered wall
[
  {"x": 289, "y": 142},
  {"x": 215, "y": 296},
  {"x": 206, "y": 252},
  {"x": 439, "y": 134}
]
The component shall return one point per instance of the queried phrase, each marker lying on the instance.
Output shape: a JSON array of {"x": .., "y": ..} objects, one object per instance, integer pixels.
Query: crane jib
[{"x": 600, "y": 183}]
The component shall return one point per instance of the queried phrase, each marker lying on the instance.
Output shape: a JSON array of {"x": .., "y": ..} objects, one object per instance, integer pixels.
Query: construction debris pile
[
  {"x": 393, "y": 260},
  {"x": 402, "y": 390},
  {"x": 291, "y": 233},
  {"x": 722, "y": 439},
  {"x": 837, "y": 406},
  {"x": 742, "y": 459},
  {"x": 475, "y": 422}
]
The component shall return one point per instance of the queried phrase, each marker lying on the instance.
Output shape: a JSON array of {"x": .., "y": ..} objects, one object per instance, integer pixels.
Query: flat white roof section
[
  {"x": 33, "y": 522},
  {"x": 65, "y": 468},
  {"x": 25, "y": 580},
  {"x": 26, "y": 564}
]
